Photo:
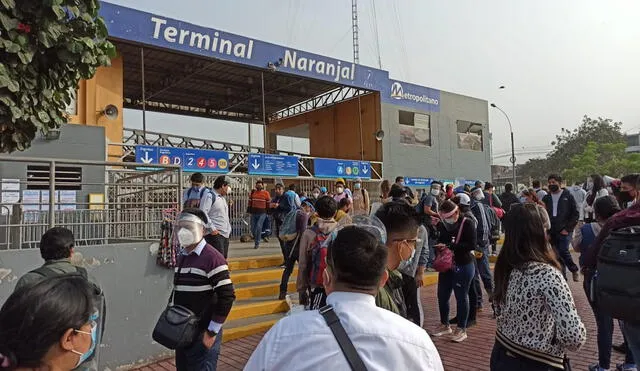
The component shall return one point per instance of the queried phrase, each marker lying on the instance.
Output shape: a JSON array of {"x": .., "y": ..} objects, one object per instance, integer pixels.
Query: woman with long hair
[
  {"x": 531, "y": 197},
  {"x": 457, "y": 236},
  {"x": 595, "y": 190},
  {"x": 47, "y": 325},
  {"x": 537, "y": 320}
]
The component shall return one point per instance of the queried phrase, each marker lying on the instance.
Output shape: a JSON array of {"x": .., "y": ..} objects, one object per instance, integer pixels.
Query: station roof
[{"x": 198, "y": 86}]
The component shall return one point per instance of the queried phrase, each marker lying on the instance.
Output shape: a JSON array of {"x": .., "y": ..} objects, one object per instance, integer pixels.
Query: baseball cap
[
  {"x": 340, "y": 180},
  {"x": 464, "y": 199}
]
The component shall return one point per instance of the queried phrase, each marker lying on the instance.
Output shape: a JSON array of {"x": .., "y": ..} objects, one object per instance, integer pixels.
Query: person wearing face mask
[
  {"x": 341, "y": 191},
  {"x": 428, "y": 213},
  {"x": 628, "y": 191},
  {"x": 563, "y": 212},
  {"x": 401, "y": 225},
  {"x": 316, "y": 192},
  {"x": 209, "y": 294},
  {"x": 259, "y": 202},
  {"x": 458, "y": 234},
  {"x": 400, "y": 182},
  {"x": 596, "y": 189},
  {"x": 293, "y": 247},
  {"x": 361, "y": 202},
  {"x": 48, "y": 325}
]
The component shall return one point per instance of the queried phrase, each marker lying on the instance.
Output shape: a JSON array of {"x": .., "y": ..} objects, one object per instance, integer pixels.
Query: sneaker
[
  {"x": 441, "y": 331},
  {"x": 256, "y": 247},
  {"x": 265, "y": 239},
  {"x": 596, "y": 367},
  {"x": 626, "y": 367},
  {"x": 459, "y": 336},
  {"x": 576, "y": 276}
]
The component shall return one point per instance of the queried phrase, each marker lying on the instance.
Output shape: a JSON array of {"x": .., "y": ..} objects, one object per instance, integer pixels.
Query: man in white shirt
[
  {"x": 383, "y": 340},
  {"x": 217, "y": 209}
]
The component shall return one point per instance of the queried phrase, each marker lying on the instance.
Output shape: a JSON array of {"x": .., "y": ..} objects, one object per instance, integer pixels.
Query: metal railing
[{"x": 114, "y": 202}]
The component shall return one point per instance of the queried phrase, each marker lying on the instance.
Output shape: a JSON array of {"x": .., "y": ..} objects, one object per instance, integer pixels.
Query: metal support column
[
  {"x": 144, "y": 99},
  {"x": 264, "y": 117},
  {"x": 52, "y": 194}
]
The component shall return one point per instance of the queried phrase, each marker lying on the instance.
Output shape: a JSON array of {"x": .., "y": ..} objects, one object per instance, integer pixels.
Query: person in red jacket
[{"x": 259, "y": 202}]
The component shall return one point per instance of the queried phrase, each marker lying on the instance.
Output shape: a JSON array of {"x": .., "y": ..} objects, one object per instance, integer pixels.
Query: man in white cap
[{"x": 361, "y": 202}]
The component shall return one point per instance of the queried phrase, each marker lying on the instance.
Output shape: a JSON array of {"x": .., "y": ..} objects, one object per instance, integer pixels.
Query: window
[
  {"x": 469, "y": 135},
  {"x": 633, "y": 140},
  {"x": 415, "y": 128},
  {"x": 67, "y": 177}
]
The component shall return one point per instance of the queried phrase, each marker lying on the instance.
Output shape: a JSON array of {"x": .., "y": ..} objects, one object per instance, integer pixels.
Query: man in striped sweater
[{"x": 202, "y": 284}]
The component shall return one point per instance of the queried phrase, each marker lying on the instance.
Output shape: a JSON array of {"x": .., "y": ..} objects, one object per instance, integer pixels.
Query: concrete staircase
[{"x": 257, "y": 283}]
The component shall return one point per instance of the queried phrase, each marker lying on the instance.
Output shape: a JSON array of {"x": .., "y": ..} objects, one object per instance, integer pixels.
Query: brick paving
[{"x": 473, "y": 354}]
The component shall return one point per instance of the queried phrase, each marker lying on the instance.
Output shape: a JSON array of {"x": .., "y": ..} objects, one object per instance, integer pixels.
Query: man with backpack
[
  {"x": 194, "y": 196},
  {"x": 313, "y": 252},
  {"x": 361, "y": 202},
  {"x": 295, "y": 224},
  {"x": 614, "y": 255},
  {"x": 56, "y": 248}
]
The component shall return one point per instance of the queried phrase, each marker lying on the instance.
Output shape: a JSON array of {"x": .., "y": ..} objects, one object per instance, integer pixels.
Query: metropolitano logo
[{"x": 396, "y": 91}]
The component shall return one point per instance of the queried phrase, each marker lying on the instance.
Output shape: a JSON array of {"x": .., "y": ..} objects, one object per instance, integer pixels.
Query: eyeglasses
[{"x": 409, "y": 242}]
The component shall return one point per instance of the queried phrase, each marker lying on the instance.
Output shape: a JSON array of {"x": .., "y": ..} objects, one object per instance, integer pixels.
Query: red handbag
[
  {"x": 444, "y": 261},
  {"x": 498, "y": 210}
]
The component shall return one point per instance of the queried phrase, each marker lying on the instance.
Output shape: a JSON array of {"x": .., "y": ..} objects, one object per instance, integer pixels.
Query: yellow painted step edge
[
  {"x": 257, "y": 309},
  {"x": 254, "y": 262},
  {"x": 272, "y": 289},
  {"x": 259, "y": 276},
  {"x": 248, "y": 330}
]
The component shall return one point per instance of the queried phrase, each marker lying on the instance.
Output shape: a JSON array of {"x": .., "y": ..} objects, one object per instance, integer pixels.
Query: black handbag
[{"x": 177, "y": 326}]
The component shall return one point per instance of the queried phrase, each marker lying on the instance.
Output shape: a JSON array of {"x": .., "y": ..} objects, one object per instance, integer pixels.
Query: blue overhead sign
[
  {"x": 348, "y": 169},
  {"x": 417, "y": 182},
  {"x": 411, "y": 95},
  {"x": 142, "y": 27},
  {"x": 276, "y": 165},
  {"x": 200, "y": 160}
]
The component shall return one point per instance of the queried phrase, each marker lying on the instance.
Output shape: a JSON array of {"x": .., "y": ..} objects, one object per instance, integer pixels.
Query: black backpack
[
  {"x": 617, "y": 280},
  {"x": 101, "y": 306}
]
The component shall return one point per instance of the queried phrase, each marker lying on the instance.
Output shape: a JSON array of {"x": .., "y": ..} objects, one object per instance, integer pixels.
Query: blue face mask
[{"x": 92, "y": 347}]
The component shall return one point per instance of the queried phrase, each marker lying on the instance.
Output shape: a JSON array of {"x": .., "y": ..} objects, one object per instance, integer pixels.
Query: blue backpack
[{"x": 194, "y": 197}]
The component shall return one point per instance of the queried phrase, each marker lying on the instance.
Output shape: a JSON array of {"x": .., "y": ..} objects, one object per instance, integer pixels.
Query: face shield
[{"x": 189, "y": 229}]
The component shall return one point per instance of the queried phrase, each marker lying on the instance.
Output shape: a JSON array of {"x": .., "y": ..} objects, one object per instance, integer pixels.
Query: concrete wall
[
  {"x": 136, "y": 289},
  {"x": 443, "y": 160},
  {"x": 76, "y": 143}
]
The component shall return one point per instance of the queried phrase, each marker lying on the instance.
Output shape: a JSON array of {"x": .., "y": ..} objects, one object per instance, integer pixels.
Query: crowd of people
[{"x": 361, "y": 265}]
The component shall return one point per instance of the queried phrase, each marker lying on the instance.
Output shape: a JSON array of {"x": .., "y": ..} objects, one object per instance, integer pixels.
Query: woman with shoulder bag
[
  {"x": 457, "y": 237},
  {"x": 537, "y": 320}
]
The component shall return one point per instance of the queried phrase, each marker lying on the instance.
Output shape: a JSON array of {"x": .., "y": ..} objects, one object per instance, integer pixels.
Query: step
[
  {"x": 249, "y": 326},
  {"x": 257, "y": 307},
  {"x": 259, "y": 275},
  {"x": 253, "y": 262},
  {"x": 255, "y": 290}
]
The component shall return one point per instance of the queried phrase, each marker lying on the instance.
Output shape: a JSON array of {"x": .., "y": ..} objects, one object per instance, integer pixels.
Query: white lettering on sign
[
  {"x": 194, "y": 39},
  {"x": 334, "y": 70}
]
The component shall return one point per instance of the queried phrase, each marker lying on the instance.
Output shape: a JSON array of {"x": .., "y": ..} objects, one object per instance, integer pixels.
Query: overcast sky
[{"x": 559, "y": 60}]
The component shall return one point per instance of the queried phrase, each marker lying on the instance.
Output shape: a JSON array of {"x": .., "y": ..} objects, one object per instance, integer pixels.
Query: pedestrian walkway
[{"x": 473, "y": 354}]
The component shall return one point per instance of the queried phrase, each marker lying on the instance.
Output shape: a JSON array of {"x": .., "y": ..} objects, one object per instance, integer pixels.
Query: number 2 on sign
[{"x": 190, "y": 161}]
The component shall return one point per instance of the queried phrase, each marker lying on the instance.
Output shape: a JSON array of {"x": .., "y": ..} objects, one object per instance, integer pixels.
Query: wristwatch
[{"x": 211, "y": 333}]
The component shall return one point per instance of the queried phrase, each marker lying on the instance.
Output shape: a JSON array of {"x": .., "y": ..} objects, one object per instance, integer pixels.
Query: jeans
[
  {"x": 457, "y": 281},
  {"x": 257, "y": 221},
  {"x": 432, "y": 252},
  {"x": 278, "y": 223},
  {"x": 503, "y": 360},
  {"x": 219, "y": 242},
  {"x": 475, "y": 295},
  {"x": 291, "y": 257},
  {"x": 197, "y": 357},
  {"x": 632, "y": 336},
  {"x": 484, "y": 270},
  {"x": 561, "y": 245},
  {"x": 266, "y": 227}
]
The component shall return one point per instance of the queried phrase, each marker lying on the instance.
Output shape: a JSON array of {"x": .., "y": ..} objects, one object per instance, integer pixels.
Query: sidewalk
[{"x": 473, "y": 354}]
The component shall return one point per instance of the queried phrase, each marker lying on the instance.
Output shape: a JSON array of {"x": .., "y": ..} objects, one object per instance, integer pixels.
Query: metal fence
[{"x": 117, "y": 203}]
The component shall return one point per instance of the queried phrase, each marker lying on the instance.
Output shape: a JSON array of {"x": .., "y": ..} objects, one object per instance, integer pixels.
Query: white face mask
[
  {"x": 228, "y": 190},
  {"x": 435, "y": 192},
  {"x": 450, "y": 220},
  {"x": 479, "y": 196},
  {"x": 316, "y": 194},
  {"x": 339, "y": 190},
  {"x": 186, "y": 237}
]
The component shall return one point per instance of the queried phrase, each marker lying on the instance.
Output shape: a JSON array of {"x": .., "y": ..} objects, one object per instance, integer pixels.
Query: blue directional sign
[
  {"x": 200, "y": 160},
  {"x": 276, "y": 165},
  {"x": 348, "y": 169},
  {"x": 417, "y": 182}
]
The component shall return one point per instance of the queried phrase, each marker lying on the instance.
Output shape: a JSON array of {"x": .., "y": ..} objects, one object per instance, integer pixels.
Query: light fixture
[
  {"x": 110, "y": 112},
  {"x": 379, "y": 135}
]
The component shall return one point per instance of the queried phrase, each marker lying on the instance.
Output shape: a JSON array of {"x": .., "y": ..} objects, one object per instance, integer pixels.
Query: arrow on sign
[
  {"x": 365, "y": 170},
  {"x": 146, "y": 159},
  {"x": 255, "y": 164}
]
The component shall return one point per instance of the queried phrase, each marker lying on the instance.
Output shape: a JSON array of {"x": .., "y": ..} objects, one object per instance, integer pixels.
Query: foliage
[
  {"x": 605, "y": 159},
  {"x": 572, "y": 143},
  {"x": 46, "y": 47}
]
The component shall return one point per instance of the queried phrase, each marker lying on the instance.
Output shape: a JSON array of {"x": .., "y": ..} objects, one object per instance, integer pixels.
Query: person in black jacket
[
  {"x": 564, "y": 216},
  {"x": 508, "y": 198}
]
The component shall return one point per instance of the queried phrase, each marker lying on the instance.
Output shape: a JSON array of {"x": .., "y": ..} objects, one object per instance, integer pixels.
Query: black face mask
[
  {"x": 554, "y": 188},
  {"x": 625, "y": 196}
]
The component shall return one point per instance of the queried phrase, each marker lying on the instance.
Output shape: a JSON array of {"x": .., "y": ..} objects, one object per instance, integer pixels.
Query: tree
[
  {"x": 46, "y": 47},
  {"x": 604, "y": 159},
  {"x": 571, "y": 143}
]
